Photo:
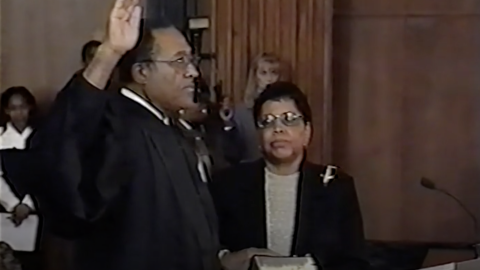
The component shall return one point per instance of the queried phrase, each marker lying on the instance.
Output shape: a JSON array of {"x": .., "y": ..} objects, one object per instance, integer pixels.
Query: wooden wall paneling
[
  {"x": 406, "y": 7},
  {"x": 441, "y": 116},
  {"x": 205, "y": 8},
  {"x": 326, "y": 123},
  {"x": 368, "y": 66},
  {"x": 405, "y": 106},
  {"x": 253, "y": 18},
  {"x": 268, "y": 12},
  {"x": 261, "y": 26},
  {"x": 238, "y": 33},
  {"x": 42, "y": 43},
  {"x": 445, "y": 7},
  {"x": 289, "y": 35},
  {"x": 295, "y": 30},
  {"x": 370, "y": 7}
]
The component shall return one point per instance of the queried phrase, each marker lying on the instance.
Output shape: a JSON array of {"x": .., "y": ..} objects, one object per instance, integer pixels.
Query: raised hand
[{"x": 123, "y": 26}]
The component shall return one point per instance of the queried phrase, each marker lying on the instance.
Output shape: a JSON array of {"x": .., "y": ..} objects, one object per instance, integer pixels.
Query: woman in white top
[
  {"x": 282, "y": 204},
  {"x": 17, "y": 105}
]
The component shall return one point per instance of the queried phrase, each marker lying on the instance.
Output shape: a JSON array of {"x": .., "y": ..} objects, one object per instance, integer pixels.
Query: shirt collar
[
  {"x": 9, "y": 127},
  {"x": 135, "y": 97},
  {"x": 185, "y": 124}
]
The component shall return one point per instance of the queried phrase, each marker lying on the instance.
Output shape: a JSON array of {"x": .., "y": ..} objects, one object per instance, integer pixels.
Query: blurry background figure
[
  {"x": 216, "y": 142},
  {"x": 17, "y": 105},
  {"x": 265, "y": 69},
  {"x": 88, "y": 51},
  {"x": 17, "y": 108}
]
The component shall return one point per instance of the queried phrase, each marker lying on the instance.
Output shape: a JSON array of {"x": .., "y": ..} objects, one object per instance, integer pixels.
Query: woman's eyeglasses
[{"x": 288, "y": 119}]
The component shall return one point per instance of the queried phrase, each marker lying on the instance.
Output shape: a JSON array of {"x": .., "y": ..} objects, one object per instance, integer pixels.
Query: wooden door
[{"x": 41, "y": 41}]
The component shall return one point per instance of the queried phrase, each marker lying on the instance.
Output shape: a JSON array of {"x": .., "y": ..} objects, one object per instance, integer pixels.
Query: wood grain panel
[
  {"x": 42, "y": 43},
  {"x": 367, "y": 108},
  {"x": 442, "y": 7},
  {"x": 296, "y": 30},
  {"x": 406, "y": 7},
  {"x": 369, "y": 7},
  {"x": 441, "y": 116},
  {"x": 406, "y": 105}
]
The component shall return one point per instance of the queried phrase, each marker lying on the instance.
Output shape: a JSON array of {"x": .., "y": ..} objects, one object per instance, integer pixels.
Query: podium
[{"x": 466, "y": 265}]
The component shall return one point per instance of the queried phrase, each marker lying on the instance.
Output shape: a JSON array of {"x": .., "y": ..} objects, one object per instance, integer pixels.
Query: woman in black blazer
[{"x": 282, "y": 204}]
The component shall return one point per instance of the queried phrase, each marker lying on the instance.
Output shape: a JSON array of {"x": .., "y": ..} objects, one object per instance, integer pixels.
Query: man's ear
[{"x": 140, "y": 73}]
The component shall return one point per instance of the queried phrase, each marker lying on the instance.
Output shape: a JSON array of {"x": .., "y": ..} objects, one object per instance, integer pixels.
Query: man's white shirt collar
[
  {"x": 131, "y": 95},
  {"x": 185, "y": 124}
]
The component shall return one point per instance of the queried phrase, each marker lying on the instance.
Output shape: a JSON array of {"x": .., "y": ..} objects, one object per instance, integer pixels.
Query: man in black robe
[{"x": 109, "y": 171}]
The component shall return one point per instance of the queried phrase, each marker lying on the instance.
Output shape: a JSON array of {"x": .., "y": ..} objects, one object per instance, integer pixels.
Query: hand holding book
[{"x": 241, "y": 260}]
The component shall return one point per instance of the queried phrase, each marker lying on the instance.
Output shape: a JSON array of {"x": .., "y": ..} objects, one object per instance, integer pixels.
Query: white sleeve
[
  {"x": 28, "y": 201},
  {"x": 7, "y": 197},
  {"x": 222, "y": 253}
]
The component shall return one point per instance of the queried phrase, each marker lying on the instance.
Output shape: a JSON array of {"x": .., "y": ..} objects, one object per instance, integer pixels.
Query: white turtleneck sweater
[{"x": 281, "y": 205}]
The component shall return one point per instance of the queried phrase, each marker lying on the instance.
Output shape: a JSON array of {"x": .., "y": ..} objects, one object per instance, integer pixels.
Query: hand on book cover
[
  {"x": 20, "y": 213},
  {"x": 240, "y": 260}
]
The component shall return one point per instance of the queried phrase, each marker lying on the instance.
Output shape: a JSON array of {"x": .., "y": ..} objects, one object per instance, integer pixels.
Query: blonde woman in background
[{"x": 265, "y": 69}]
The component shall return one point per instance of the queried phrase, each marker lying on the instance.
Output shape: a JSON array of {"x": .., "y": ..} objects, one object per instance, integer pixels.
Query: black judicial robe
[{"x": 113, "y": 177}]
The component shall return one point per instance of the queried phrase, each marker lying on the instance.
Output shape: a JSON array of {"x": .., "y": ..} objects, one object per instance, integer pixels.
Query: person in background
[
  {"x": 17, "y": 108},
  {"x": 88, "y": 51},
  {"x": 216, "y": 145},
  {"x": 283, "y": 204},
  {"x": 265, "y": 69}
]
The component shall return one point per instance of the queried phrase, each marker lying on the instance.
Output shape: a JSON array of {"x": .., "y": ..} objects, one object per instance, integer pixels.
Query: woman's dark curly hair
[{"x": 8, "y": 94}]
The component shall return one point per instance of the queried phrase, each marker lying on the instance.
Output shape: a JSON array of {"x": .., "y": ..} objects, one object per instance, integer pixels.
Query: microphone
[
  {"x": 426, "y": 183},
  {"x": 429, "y": 184}
]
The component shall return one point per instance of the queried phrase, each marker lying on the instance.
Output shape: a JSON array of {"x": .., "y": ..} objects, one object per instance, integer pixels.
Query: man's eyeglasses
[
  {"x": 180, "y": 63},
  {"x": 288, "y": 119}
]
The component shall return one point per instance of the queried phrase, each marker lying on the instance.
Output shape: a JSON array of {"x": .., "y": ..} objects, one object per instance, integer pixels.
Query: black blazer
[{"x": 328, "y": 219}]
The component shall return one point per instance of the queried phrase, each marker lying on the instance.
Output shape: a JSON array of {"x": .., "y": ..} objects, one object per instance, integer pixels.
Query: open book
[
  {"x": 283, "y": 263},
  {"x": 21, "y": 238}
]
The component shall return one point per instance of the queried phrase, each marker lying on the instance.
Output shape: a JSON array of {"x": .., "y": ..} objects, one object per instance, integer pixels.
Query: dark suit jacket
[
  {"x": 226, "y": 145},
  {"x": 328, "y": 219}
]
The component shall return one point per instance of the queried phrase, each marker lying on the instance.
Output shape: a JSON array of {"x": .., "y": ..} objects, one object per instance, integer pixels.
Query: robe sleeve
[
  {"x": 27, "y": 200},
  {"x": 219, "y": 189},
  {"x": 75, "y": 160}
]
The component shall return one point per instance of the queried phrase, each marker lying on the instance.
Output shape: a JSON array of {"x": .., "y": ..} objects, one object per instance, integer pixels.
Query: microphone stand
[{"x": 428, "y": 184}]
